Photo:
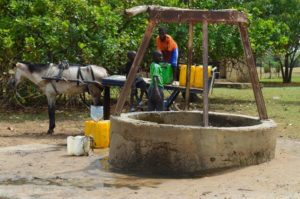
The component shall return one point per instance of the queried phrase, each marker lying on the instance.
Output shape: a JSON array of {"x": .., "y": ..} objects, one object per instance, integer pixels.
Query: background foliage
[{"x": 98, "y": 32}]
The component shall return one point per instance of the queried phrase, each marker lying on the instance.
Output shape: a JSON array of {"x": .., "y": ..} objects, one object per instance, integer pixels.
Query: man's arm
[
  {"x": 156, "y": 95},
  {"x": 174, "y": 57}
]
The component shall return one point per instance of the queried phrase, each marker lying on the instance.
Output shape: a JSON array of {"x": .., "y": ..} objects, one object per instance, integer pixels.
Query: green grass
[
  {"x": 265, "y": 77},
  {"x": 295, "y": 79},
  {"x": 283, "y": 106},
  {"x": 39, "y": 114}
]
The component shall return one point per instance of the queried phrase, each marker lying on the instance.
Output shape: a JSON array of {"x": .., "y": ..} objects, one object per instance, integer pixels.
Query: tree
[
  {"x": 276, "y": 27},
  {"x": 98, "y": 32}
]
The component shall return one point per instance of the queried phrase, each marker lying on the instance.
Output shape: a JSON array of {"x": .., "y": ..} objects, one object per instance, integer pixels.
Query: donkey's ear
[{"x": 21, "y": 65}]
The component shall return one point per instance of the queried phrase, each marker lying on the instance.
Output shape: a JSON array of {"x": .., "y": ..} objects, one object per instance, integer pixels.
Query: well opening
[{"x": 195, "y": 119}]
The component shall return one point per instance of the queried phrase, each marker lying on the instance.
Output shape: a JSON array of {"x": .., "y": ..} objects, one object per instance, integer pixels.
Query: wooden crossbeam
[{"x": 180, "y": 15}]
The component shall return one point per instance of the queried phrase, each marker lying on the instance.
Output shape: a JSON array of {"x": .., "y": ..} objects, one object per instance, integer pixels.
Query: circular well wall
[{"x": 177, "y": 142}]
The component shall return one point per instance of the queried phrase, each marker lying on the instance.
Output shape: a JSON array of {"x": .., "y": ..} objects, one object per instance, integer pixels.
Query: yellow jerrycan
[
  {"x": 182, "y": 75},
  {"x": 99, "y": 131},
  {"x": 198, "y": 81},
  {"x": 192, "y": 75}
]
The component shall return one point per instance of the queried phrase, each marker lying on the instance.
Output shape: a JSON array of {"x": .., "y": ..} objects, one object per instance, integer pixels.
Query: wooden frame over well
[{"x": 191, "y": 16}]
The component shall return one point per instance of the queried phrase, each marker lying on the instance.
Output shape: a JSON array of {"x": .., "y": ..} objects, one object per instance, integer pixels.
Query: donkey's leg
[
  {"x": 51, "y": 112},
  {"x": 95, "y": 92}
]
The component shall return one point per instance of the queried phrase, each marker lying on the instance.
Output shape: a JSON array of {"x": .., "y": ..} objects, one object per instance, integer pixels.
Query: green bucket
[{"x": 167, "y": 73}]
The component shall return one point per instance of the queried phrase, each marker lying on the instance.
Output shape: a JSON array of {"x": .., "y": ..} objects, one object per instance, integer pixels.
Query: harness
[
  {"x": 79, "y": 74},
  {"x": 79, "y": 77},
  {"x": 54, "y": 87}
]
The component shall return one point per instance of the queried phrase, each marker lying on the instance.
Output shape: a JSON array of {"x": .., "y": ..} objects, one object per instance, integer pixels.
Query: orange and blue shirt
[{"x": 169, "y": 49}]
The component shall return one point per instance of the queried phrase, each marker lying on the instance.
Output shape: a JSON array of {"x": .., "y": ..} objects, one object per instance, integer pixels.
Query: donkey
[{"x": 73, "y": 81}]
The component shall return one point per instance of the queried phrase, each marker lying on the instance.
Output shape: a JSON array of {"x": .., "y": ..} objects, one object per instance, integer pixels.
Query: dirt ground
[{"x": 35, "y": 165}]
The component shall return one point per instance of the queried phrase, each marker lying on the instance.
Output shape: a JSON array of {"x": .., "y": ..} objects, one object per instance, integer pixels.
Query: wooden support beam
[
  {"x": 181, "y": 15},
  {"x": 260, "y": 103},
  {"x": 134, "y": 68},
  {"x": 205, "y": 72},
  {"x": 188, "y": 72},
  {"x": 193, "y": 16}
]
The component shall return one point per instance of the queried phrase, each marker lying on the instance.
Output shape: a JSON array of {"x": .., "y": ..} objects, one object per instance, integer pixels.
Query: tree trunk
[{"x": 286, "y": 69}]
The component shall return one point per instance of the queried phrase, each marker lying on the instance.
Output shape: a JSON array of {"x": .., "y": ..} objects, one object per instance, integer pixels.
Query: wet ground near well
[{"x": 46, "y": 171}]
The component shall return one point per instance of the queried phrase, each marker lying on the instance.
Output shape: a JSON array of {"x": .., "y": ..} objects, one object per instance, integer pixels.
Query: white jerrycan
[{"x": 78, "y": 145}]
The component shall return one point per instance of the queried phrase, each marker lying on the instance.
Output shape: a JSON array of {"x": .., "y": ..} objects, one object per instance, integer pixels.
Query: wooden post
[
  {"x": 106, "y": 102},
  {"x": 190, "y": 60},
  {"x": 260, "y": 103},
  {"x": 205, "y": 73},
  {"x": 261, "y": 70},
  {"x": 134, "y": 68}
]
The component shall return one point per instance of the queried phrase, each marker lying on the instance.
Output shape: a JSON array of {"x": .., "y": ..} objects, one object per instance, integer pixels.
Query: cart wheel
[{"x": 176, "y": 107}]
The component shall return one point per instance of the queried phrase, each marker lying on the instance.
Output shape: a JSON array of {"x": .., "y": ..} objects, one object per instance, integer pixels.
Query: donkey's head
[
  {"x": 16, "y": 75},
  {"x": 27, "y": 70}
]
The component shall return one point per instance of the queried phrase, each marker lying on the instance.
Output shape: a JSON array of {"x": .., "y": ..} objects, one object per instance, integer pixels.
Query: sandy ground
[{"x": 34, "y": 165}]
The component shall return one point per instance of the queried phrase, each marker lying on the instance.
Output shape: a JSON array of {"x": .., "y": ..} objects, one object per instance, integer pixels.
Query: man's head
[
  {"x": 162, "y": 32},
  {"x": 157, "y": 56},
  {"x": 131, "y": 55}
]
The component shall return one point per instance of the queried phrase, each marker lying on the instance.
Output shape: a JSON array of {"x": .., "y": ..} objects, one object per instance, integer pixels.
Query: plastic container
[
  {"x": 96, "y": 112},
  {"x": 99, "y": 131},
  {"x": 192, "y": 76},
  {"x": 198, "y": 80},
  {"x": 182, "y": 75},
  {"x": 167, "y": 73},
  {"x": 78, "y": 145}
]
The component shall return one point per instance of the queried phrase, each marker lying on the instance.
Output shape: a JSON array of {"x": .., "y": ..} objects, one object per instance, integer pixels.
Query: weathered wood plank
[
  {"x": 136, "y": 10},
  {"x": 260, "y": 103},
  {"x": 193, "y": 16},
  {"x": 188, "y": 72},
  {"x": 205, "y": 72},
  {"x": 134, "y": 68},
  {"x": 180, "y": 15}
]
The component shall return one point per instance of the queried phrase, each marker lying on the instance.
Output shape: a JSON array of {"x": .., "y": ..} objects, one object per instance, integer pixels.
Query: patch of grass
[
  {"x": 283, "y": 106},
  {"x": 6, "y": 197},
  {"x": 295, "y": 79},
  {"x": 265, "y": 77},
  {"x": 38, "y": 114}
]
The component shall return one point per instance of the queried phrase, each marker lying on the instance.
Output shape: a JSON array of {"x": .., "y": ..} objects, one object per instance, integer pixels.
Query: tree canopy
[{"x": 98, "y": 32}]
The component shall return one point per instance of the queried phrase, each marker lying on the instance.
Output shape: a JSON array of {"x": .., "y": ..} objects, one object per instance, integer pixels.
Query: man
[
  {"x": 169, "y": 49},
  {"x": 138, "y": 83}
]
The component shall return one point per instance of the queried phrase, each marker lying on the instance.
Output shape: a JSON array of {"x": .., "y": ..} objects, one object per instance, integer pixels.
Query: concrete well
[{"x": 177, "y": 142}]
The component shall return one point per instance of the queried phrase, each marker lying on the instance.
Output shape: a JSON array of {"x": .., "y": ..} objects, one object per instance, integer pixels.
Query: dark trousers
[{"x": 153, "y": 103}]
